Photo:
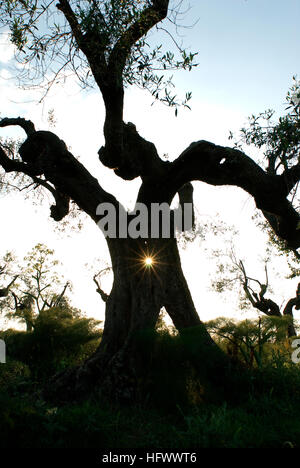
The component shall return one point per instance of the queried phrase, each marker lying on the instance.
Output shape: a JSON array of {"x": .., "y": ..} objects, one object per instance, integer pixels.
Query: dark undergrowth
[{"x": 176, "y": 411}]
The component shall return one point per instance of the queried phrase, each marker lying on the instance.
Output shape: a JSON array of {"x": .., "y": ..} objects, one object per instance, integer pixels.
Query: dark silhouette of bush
[{"x": 60, "y": 337}]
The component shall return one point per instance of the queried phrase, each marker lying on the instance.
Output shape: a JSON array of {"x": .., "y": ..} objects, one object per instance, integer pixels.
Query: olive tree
[{"x": 105, "y": 44}]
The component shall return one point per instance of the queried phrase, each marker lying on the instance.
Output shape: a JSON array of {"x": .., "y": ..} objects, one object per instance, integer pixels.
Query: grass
[
  {"x": 260, "y": 423},
  {"x": 267, "y": 415}
]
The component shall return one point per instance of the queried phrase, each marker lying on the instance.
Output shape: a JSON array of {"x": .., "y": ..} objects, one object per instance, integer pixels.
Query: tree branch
[
  {"x": 149, "y": 17},
  {"x": 55, "y": 302},
  {"x": 99, "y": 290},
  {"x": 111, "y": 82},
  {"x": 217, "y": 165},
  {"x": 61, "y": 207},
  {"x": 139, "y": 156},
  {"x": 10, "y": 165},
  {"x": 65, "y": 8},
  {"x": 5, "y": 291},
  {"x": 290, "y": 177},
  {"x": 89, "y": 42},
  {"x": 27, "y": 125},
  {"x": 288, "y": 311},
  {"x": 43, "y": 153}
]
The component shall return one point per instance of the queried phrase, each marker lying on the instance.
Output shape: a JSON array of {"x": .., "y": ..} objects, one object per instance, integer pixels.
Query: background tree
[
  {"x": 97, "y": 280},
  {"x": 278, "y": 142},
  {"x": 37, "y": 286},
  {"x": 247, "y": 340},
  {"x": 59, "y": 337},
  {"x": 105, "y": 42},
  {"x": 232, "y": 275},
  {"x": 57, "y": 334}
]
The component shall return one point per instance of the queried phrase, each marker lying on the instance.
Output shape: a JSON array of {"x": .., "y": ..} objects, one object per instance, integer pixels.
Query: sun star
[{"x": 148, "y": 261}]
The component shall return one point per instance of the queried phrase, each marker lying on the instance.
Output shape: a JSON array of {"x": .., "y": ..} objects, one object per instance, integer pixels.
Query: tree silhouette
[
  {"x": 105, "y": 42},
  {"x": 39, "y": 286}
]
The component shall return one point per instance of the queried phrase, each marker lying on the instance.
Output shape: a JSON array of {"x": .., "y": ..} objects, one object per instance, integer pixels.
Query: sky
[{"x": 248, "y": 51}]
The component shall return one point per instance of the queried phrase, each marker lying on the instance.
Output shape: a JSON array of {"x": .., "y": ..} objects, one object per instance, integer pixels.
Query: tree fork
[{"x": 139, "y": 292}]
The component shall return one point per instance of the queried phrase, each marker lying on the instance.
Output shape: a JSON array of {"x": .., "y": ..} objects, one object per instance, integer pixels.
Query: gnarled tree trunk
[
  {"x": 139, "y": 292},
  {"x": 132, "y": 309}
]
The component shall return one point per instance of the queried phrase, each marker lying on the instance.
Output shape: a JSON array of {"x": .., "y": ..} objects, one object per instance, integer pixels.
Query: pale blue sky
[{"x": 248, "y": 50}]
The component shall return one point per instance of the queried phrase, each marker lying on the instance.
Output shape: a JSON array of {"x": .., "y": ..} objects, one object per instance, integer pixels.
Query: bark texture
[{"x": 132, "y": 309}]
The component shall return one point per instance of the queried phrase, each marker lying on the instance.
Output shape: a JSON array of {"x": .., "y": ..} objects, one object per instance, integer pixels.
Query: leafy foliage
[
  {"x": 248, "y": 340},
  {"x": 60, "y": 338},
  {"x": 44, "y": 41},
  {"x": 39, "y": 286},
  {"x": 280, "y": 141},
  {"x": 276, "y": 247}
]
